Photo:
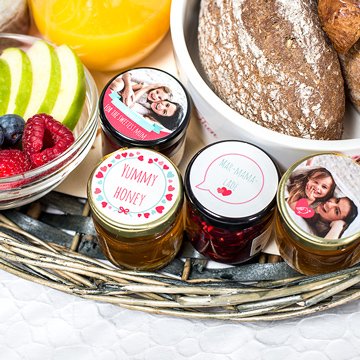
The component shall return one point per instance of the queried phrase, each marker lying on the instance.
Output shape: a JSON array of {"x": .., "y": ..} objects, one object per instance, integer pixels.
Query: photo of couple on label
[
  {"x": 322, "y": 199},
  {"x": 153, "y": 101}
]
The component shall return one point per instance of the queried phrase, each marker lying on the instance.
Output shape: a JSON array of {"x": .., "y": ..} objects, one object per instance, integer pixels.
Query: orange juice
[{"x": 106, "y": 34}]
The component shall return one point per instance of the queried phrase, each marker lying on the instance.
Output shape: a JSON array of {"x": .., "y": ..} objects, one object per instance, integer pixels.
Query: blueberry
[{"x": 13, "y": 128}]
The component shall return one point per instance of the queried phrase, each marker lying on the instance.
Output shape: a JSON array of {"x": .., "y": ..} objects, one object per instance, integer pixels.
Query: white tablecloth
[{"x": 37, "y": 322}]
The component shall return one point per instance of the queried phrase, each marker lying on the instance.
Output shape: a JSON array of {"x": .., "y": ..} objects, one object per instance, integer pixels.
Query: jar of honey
[
  {"x": 136, "y": 200},
  {"x": 107, "y": 35},
  {"x": 317, "y": 222},
  {"x": 230, "y": 189},
  {"x": 145, "y": 107}
]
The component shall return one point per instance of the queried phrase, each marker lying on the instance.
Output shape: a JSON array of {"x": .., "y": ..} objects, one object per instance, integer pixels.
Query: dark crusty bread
[
  {"x": 351, "y": 70},
  {"x": 341, "y": 21},
  {"x": 270, "y": 61}
]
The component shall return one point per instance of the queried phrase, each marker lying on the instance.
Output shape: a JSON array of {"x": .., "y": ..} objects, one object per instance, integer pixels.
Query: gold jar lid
[
  {"x": 135, "y": 192},
  {"x": 319, "y": 201}
]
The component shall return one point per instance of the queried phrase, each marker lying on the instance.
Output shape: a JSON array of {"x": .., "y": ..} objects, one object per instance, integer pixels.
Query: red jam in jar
[
  {"x": 147, "y": 108},
  {"x": 230, "y": 189}
]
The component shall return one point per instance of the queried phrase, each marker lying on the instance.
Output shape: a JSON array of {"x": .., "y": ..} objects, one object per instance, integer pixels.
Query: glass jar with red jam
[
  {"x": 230, "y": 189},
  {"x": 147, "y": 108}
]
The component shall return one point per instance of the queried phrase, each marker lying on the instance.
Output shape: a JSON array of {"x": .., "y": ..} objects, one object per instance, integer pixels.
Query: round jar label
[
  {"x": 322, "y": 196},
  {"x": 145, "y": 104},
  {"x": 135, "y": 186},
  {"x": 233, "y": 179}
]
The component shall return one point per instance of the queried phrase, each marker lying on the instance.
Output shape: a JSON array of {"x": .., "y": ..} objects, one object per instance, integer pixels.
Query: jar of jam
[
  {"x": 136, "y": 199},
  {"x": 230, "y": 189},
  {"x": 145, "y": 107},
  {"x": 317, "y": 222}
]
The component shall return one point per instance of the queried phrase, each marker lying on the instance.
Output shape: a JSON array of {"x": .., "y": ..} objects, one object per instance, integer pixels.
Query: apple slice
[
  {"x": 21, "y": 80},
  {"x": 46, "y": 78},
  {"x": 71, "y": 97},
  {"x": 5, "y": 85}
]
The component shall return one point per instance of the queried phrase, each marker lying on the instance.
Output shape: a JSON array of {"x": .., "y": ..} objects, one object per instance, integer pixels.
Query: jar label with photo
[
  {"x": 321, "y": 196},
  {"x": 135, "y": 186},
  {"x": 145, "y": 104},
  {"x": 233, "y": 179}
]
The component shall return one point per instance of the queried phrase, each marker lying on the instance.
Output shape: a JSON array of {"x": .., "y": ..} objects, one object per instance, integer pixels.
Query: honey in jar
[
  {"x": 145, "y": 107},
  {"x": 317, "y": 223},
  {"x": 230, "y": 189},
  {"x": 136, "y": 199}
]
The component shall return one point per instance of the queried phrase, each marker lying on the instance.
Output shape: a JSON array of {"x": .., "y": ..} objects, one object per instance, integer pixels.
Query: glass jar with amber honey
[
  {"x": 317, "y": 223},
  {"x": 136, "y": 199},
  {"x": 230, "y": 189}
]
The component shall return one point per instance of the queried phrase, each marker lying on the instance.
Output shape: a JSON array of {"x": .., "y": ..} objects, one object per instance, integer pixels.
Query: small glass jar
[
  {"x": 136, "y": 199},
  {"x": 317, "y": 223},
  {"x": 145, "y": 107},
  {"x": 230, "y": 189}
]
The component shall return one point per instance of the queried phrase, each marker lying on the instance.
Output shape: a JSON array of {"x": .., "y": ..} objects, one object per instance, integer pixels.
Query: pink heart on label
[
  {"x": 124, "y": 154},
  {"x": 160, "y": 163},
  {"x": 117, "y": 156},
  {"x": 139, "y": 215},
  {"x": 97, "y": 191},
  {"x": 147, "y": 215},
  {"x": 224, "y": 191},
  {"x": 169, "y": 197},
  {"x": 159, "y": 209},
  {"x": 302, "y": 209},
  {"x": 141, "y": 158},
  {"x": 131, "y": 154},
  {"x": 171, "y": 188},
  {"x": 170, "y": 181},
  {"x": 150, "y": 161},
  {"x": 99, "y": 175},
  {"x": 104, "y": 204},
  {"x": 103, "y": 168},
  {"x": 165, "y": 167},
  {"x": 156, "y": 159},
  {"x": 137, "y": 153},
  {"x": 109, "y": 165}
]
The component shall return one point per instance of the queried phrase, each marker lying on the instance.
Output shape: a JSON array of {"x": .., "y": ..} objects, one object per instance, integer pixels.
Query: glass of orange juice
[{"x": 106, "y": 34}]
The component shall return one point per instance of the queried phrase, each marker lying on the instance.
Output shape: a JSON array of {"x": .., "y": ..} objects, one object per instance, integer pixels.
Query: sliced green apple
[
  {"x": 21, "y": 80},
  {"x": 5, "y": 85},
  {"x": 46, "y": 78},
  {"x": 71, "y": 97}
]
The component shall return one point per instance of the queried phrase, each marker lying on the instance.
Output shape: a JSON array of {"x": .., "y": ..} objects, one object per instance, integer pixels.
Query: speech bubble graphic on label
[{"x": 233, "y": 178}]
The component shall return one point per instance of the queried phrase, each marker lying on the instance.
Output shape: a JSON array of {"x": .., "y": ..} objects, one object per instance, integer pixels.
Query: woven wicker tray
[{"x": 52, "y": 242}]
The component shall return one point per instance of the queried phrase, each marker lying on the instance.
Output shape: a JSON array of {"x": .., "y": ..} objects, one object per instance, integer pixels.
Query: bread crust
[
  {"x": 270, "y": 61},
  {"x": 351, "y": 69},
  {"x": 341, "y": 21}
]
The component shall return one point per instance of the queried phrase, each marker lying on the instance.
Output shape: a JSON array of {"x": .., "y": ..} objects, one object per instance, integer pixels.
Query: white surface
[{"x": 39, "y": 323}]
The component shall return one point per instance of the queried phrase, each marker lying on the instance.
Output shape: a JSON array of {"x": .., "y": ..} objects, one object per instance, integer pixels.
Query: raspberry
[
  {"x": 13, "y": 162},
  {"x": 45, "y": 138}
]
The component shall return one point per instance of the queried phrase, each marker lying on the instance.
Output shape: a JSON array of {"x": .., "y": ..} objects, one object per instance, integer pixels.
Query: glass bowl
[{"x": 22, "y": 189}]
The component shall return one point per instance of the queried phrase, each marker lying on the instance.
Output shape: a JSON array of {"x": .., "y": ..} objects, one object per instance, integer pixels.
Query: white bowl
[{"x": 220, "y": 122}]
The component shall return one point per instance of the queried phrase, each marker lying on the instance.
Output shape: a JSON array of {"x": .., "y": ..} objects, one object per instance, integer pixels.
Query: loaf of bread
[
  {"x": 14, "y": 17},
  {"x": 271, "y": 62},
  {"x": 341, "y": 21},
  {"x": 351, "y": 70}
]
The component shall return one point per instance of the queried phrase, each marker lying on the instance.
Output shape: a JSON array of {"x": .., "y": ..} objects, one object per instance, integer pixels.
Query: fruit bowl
[
  {"x": 24, "y": 188},
  {"x": 219, "y": 122}
]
